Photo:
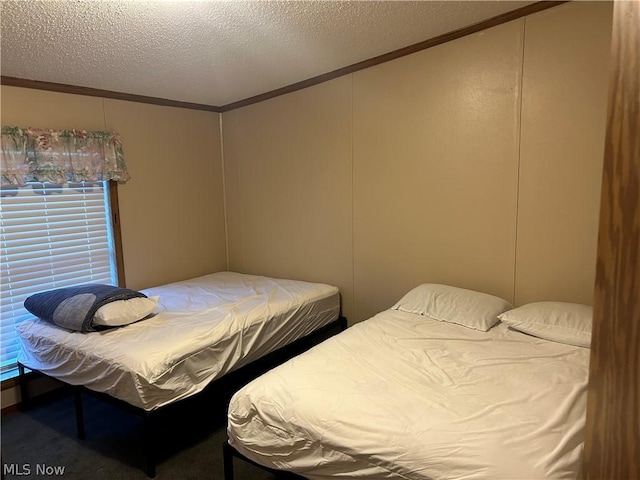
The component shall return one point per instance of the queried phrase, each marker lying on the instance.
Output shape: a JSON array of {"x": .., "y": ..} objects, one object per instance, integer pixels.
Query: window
[{"x": 52, "y": 236}]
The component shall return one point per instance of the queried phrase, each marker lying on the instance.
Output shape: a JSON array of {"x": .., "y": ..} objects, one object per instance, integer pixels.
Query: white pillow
[
  {"x": 562, "y": 322},
  {"x": 124, "y": 312},
  {"x": 454, "y": 305}
]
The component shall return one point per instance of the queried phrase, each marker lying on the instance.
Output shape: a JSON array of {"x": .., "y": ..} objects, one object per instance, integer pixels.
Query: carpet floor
[{"x": 41, "y": 443}]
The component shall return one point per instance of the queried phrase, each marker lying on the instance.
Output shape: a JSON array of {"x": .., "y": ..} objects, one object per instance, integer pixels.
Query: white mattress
[
  {"x": 404, "y": 396},
  {"x": 205, "y": 328}
]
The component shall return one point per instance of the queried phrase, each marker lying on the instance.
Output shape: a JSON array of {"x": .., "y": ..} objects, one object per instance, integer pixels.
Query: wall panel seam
[
  {"x": 519, "y": 158},
  {"x": 353, "y": 242},
  {"x": 224, "y": 191}
]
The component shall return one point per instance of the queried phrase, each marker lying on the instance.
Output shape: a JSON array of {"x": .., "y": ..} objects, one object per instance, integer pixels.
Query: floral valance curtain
[{"x": 60, "y": 156}]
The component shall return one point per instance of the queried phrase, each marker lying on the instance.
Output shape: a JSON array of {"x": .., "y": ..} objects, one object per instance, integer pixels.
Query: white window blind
[{"x": 52, "y": 236}]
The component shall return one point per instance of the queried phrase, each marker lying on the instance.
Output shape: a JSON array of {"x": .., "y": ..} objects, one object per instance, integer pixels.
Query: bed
[
  {"x": 203, "y": 329},
  {"x": 435, "y": 387}
]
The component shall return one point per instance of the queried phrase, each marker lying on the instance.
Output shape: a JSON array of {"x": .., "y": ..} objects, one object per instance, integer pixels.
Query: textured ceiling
[{"x": 214, "y": 52}]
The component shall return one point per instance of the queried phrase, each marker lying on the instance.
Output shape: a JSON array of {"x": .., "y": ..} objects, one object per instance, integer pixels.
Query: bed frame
[{"x": 150, "y": 418}]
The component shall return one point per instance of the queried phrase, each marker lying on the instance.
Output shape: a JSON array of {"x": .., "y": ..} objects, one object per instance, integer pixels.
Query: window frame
[{"x": 119, "y": 257}]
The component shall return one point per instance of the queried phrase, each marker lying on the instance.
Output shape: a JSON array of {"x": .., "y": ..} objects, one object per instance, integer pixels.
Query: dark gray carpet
[{"x": 45, "y": 436}]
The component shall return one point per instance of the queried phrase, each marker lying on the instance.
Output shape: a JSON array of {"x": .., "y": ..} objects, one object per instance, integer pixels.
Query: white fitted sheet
[
  {"x": 206, "y": 327},
  {"x": 404, "y": 396}
]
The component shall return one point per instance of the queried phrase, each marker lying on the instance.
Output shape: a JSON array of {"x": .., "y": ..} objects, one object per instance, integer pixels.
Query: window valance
[{"x": 60, "y": 156}]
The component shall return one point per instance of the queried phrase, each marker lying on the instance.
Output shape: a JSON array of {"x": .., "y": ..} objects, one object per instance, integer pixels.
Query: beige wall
[
  {"x": 171, "y": 211},
  {"x": 475, "y": 163},
  {"x": 435, "y": 169},
  {"x": 289, "y": 186},
  {"x": 562, "y": 149}
]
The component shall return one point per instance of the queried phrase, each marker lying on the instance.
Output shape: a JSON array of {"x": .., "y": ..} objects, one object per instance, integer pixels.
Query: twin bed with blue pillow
[{"x": 153, "y": 348}]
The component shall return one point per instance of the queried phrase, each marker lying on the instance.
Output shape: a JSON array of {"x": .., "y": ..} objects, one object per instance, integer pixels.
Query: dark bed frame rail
[
  {"x": 228, "y": 454},
  {"x": 149, "y": 417}
]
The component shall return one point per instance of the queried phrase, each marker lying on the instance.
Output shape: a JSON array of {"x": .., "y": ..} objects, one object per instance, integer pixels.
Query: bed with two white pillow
[{"x": 435, "y": 387}]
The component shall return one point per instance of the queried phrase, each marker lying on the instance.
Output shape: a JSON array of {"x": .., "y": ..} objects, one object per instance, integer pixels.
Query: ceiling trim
[
  {"x": 96, "y": 92},
  {"x": 432, "y": 42},
  {"x": 416, "y": 47}
]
